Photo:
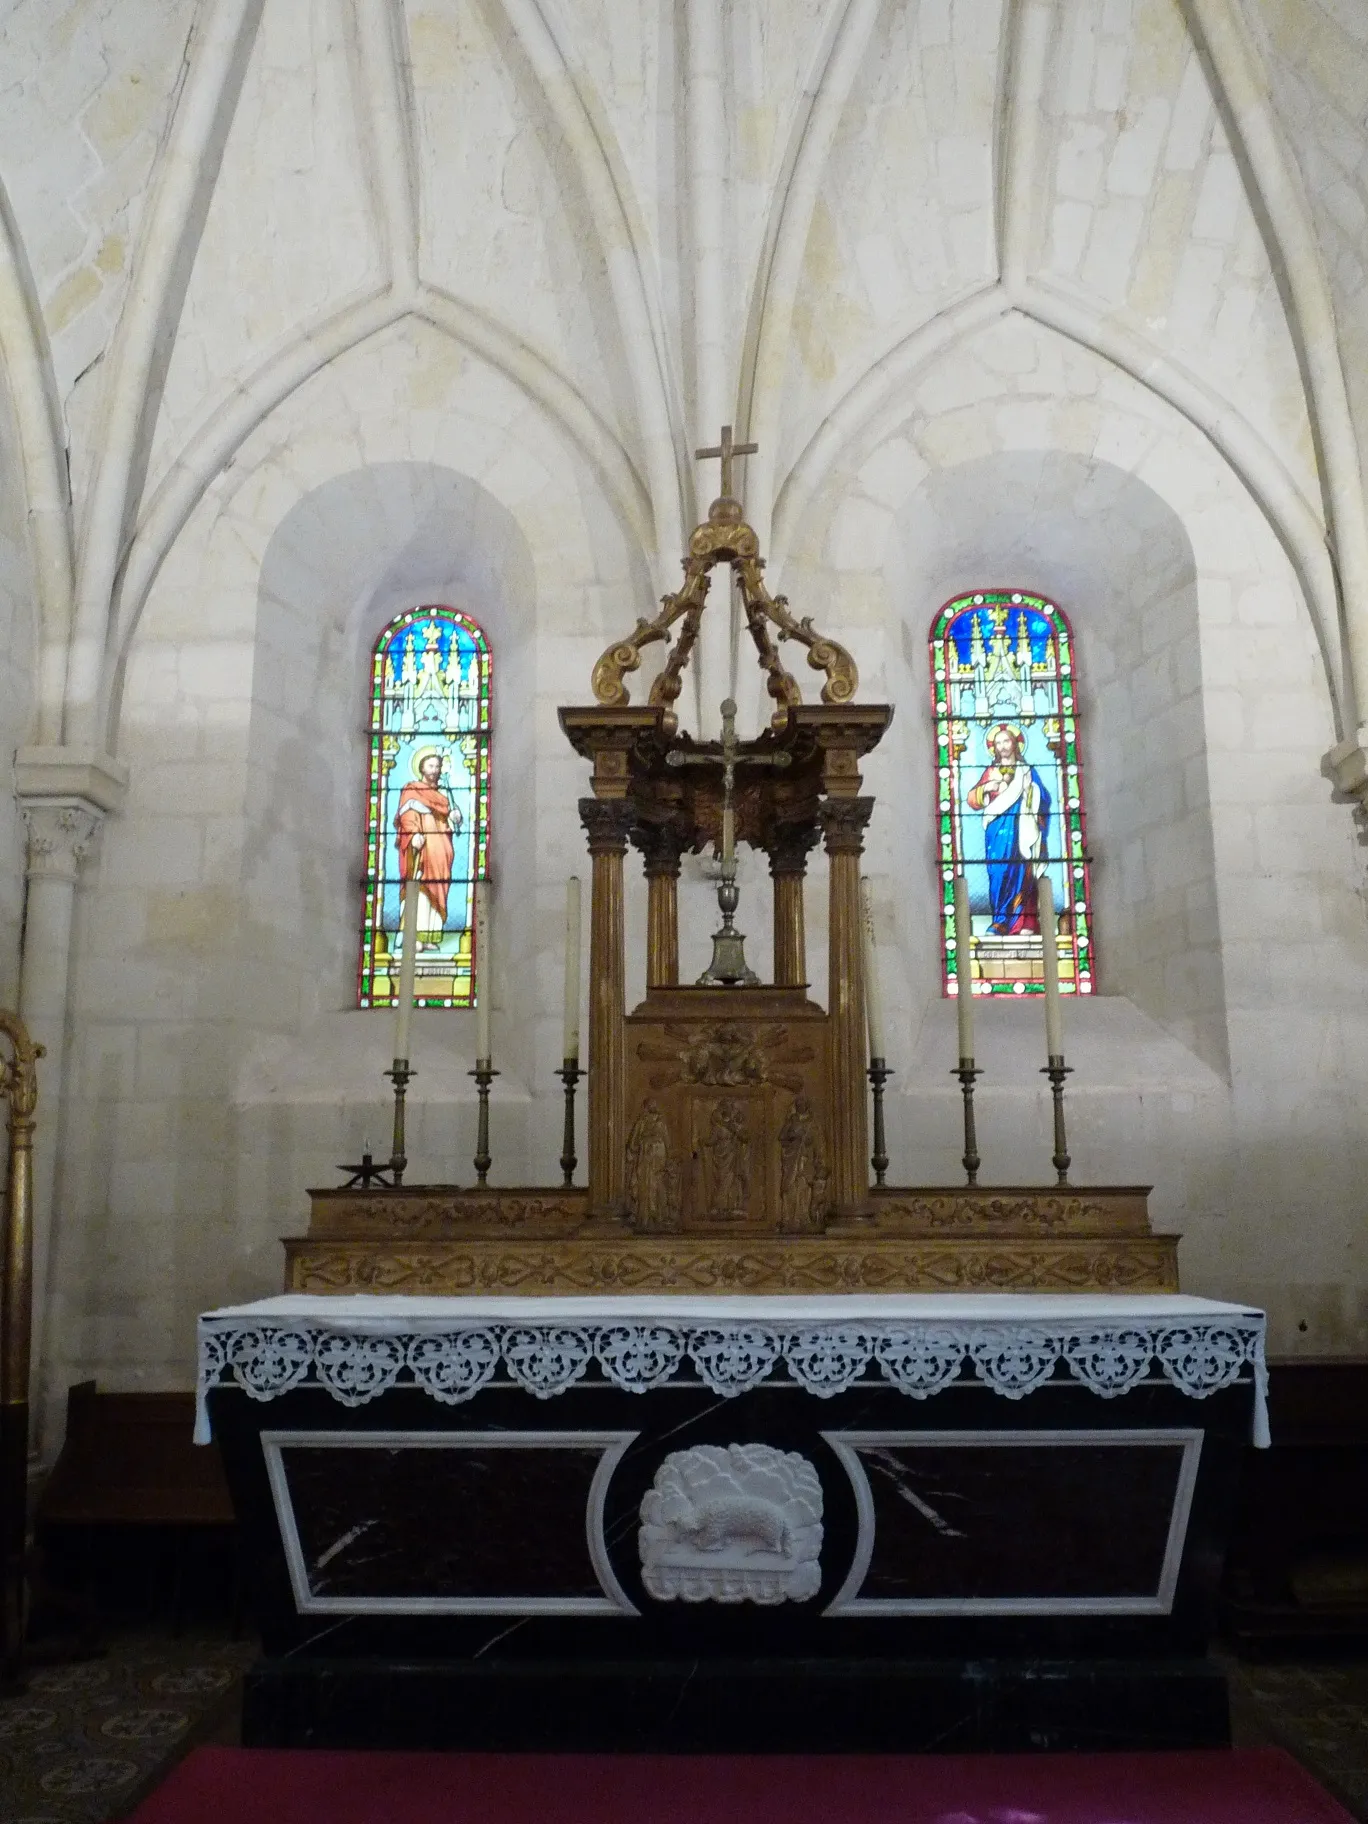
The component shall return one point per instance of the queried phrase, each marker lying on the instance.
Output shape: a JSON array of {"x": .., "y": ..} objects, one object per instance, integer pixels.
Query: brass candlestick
[
  {"x": 484, "y": 1074},
  {"x": 18, "y": 1087},
  {"x": 1056, "y": 1070},
  {"x": 569, "y": 1074},
  {"x": 966, "y": 1073},
  {"x": 399, "y": 1074},
  {"x": 879, "y": 1073}
]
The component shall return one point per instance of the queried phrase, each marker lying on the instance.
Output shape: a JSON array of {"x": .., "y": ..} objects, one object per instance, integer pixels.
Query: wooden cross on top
[{"x": 726, "y": 449}]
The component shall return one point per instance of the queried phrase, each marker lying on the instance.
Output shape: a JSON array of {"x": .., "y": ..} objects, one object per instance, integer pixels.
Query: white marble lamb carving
[{"x": 740, "y": 1523}]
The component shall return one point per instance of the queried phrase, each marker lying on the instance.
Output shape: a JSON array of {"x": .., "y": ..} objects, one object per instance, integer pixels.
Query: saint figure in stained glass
[
  {"x": 427, "y": 804},
  {"x": 1010, "y": 791}
]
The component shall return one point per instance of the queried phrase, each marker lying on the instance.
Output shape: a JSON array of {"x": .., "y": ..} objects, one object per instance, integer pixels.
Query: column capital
[
  {"x": 789, "y": 846},
  {"x": 608, "y": 823},
  {"x": 843, "y": 823},
  {"x": 60, "y": 836},
  {"x": 660, "y": 846}
]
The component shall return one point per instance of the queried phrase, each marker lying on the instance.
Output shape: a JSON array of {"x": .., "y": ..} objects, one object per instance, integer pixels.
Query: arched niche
[
  {"x": 342, "y": 562},
  {"x": 1117, "y": 558}
]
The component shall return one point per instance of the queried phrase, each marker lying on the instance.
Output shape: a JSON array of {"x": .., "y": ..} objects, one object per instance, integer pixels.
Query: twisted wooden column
[
  {"x": 19, "y": 1086},
  {"x": 788, "y": 853},
  {"x": 661, "y": 848},
  {"x": 843, "y": 827},
  {"x": 607, "y": 822}
]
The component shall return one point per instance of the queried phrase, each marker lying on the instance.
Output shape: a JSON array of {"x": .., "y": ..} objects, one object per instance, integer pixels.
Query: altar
[
  {"x": 1007, "y": 1509},
  {"x": 733, "y": 1444}
]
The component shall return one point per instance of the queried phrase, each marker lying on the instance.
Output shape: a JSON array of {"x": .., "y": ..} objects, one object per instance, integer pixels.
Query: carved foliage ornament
[
  {"x": 59, "y": 838},
  {"x": 724, "y": 537}
]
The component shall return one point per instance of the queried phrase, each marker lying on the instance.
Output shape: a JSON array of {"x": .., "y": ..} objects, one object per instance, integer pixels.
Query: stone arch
[
  {"x": 351, "y": 554},
  {"x": 1118, "y": 559}
]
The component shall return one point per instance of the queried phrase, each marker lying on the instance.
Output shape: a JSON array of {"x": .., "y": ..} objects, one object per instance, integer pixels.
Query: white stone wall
[
  {"x": 331, "y": 307},
  {"x": 18, "y": 653}
]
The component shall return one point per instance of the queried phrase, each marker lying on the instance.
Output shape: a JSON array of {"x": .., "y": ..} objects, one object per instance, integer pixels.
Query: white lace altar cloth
[{"x": 357, "y": 1346}]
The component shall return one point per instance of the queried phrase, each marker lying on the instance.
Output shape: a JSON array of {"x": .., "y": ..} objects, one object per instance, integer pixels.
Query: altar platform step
[
  {"x": 241, "y": 1786},
  {"x": 443, "y": 1239},
  {"x": 761, "y": 1705}
]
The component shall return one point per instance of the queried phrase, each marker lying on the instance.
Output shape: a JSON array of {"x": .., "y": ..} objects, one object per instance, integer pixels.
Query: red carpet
[{"x": 268, "y": 1786}]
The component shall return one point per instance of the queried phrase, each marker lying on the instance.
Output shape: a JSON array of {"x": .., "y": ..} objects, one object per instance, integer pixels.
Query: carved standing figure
[
  {"x": 802, "y": 1171},
  {"x": 727, "y": 1145},
  {"x": 652, "y": 1177}
]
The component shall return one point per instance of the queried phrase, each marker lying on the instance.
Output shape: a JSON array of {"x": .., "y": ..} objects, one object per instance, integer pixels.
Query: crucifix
[
  {"x": 726, "y": 450},
  {"x": 728, "y": 967}
]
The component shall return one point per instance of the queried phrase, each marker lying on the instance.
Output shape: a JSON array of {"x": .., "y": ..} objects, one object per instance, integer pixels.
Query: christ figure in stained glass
[{"x": 1014, "y": 802}]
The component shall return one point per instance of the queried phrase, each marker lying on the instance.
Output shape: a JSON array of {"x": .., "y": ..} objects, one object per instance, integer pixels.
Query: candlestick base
[
  {"x": 1056, "y": 1070},
  {"x": 967, "y": 1071},
  {"x": 878, "y": 1074},
  {"x": 400, "y": 1074},
  {"x": 569, "y": 1074},
  {"x": 728, "y": 968},
  {"x": 367, "y": 1173},
  {"x": 484, "y": 1074}
]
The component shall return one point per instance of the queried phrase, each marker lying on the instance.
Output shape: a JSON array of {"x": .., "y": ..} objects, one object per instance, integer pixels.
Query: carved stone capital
[
  {"x": 607, "y": 823},
  {"x": 660, "y": 846},
  {"x": 843, "y": 824},
  {"x": 1346, "y": 767},
  {"x": 60, "y": 837},
  {"x": 789, "y": 846}
]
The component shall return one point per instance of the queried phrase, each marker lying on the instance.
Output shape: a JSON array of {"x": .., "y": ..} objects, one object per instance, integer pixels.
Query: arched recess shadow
[
  {"x": 1117, "y": 558},
  {"x": 347, "y": 557}
]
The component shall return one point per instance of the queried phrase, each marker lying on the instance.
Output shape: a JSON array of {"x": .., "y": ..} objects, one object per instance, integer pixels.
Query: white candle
[
  {"x": 964, "y": 969},
  {"x": 484, "y": 965},
  {"x": 403, "y": 1007},
  {"x": 873, "y": 999},
  {"x": 570, "y": 1044},
  {"x": 1049, "y": 939}
]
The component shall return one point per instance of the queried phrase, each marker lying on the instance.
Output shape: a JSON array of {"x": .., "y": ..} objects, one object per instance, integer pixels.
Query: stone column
[
  {"x": 661, "y": 848},
  {"x": 788, "y": 853},
  {"x": 607, "y": 822},
  {"x": 64, "y": 794},
  {"x": 843, "y": 826}
]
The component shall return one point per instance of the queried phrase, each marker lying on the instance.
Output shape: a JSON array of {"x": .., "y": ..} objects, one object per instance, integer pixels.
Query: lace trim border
[{"x": 452, "y": 1365}]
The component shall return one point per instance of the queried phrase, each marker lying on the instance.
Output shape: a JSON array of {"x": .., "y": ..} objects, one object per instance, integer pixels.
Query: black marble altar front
[{"x": 1007, "y": 1572}]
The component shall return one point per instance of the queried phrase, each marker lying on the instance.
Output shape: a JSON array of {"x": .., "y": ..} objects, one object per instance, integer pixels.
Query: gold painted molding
[{"x": 720, "y": 1265}]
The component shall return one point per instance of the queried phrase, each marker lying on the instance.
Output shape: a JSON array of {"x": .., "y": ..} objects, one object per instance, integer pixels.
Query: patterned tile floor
[
  {"x": 84, "y": 1742},
  {"x": 1317, "y": 1710}
]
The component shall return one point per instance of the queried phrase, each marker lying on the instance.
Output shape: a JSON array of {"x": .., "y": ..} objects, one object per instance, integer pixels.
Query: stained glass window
[
  {"x": 1010, "y": 790},
  {"x": 427, "y": 804}
]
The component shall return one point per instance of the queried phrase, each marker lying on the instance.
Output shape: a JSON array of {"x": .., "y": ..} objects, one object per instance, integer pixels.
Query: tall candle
[
  {"x": 1049, "y": 938},
  {"x": 964, "y": 968},
  {"x": 570, "y": 1044},
  {"x": 403, "y": 1007},
  {"x": 484, "y": 964},
  {"x": 873, "y": 998}
]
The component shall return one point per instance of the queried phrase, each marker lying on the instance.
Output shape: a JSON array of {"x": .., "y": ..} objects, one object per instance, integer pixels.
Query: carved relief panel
[{"x": 727, "y": 1112}]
